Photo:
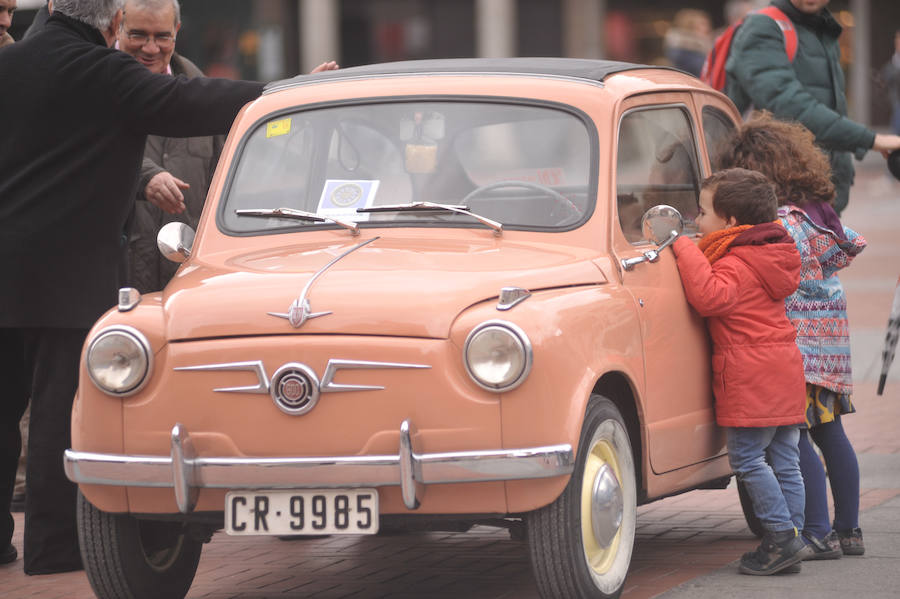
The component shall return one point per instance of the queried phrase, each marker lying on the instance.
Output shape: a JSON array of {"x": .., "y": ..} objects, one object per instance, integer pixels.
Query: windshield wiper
[
  {"x": 497, "y": 227},
  {"x": 298, "y": 215}
]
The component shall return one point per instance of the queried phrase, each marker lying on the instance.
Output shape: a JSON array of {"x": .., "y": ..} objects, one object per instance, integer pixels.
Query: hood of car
[{"x": 399, "y": 287}]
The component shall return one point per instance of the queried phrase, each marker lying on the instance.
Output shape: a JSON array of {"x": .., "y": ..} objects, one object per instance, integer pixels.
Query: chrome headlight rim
[
  {"x": 142, "y": 343},
  {"x": 523, "y": 341}
]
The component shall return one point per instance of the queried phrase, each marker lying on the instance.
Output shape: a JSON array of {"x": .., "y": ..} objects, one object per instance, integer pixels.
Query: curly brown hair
[{"x": 786, "y": 153}]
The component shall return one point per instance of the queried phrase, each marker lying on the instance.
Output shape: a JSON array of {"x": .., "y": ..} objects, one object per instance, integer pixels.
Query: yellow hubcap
[{"x": 600, "y": 556}]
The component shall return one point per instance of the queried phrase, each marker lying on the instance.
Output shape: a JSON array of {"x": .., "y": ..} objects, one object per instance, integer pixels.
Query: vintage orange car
[{"x": 419, "y": 293}]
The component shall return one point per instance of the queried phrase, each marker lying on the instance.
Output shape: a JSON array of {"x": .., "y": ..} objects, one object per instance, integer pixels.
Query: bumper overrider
[{"x": 187, "y": 472}]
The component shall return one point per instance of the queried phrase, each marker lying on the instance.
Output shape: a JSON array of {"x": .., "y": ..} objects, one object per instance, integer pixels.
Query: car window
[
  {"x": 524, "y": 166},
  {"x": 717, "y": 130},
  {"x": 657, "y": 164}
]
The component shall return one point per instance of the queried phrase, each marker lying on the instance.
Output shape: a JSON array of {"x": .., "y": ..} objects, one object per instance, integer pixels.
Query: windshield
[{"x": 522, "y": 166}]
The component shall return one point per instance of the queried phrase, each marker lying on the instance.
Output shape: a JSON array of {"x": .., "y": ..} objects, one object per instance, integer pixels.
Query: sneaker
[
  {"x": 778, "y": 551},
  {"x": 828, "y": 547},
  {"x": 8, "y": 555},
  {"x": 851, "y": 541}
]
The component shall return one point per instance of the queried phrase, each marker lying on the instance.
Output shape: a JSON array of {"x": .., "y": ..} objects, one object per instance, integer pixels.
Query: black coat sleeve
[{"x": 175, "y": 106}]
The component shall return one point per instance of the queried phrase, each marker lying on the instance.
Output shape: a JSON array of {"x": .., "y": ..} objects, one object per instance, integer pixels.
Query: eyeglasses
[{"x": 162, "y": 40}]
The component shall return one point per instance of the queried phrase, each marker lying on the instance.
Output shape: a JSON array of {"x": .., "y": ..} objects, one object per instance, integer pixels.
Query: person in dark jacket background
[
  {"x": 82, "y": 114},
  {"x": 890, "y": 73},
  {"x": 175, "y": 170},
  {"x": 809, "y": 90}
]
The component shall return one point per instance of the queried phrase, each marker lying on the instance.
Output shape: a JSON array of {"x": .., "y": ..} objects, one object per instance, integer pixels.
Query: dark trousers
[{"x": 41, "y": 363}]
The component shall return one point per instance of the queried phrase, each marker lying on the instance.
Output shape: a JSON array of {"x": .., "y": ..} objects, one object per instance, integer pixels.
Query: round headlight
[
  {"x": 118, "y": 360},
  {"x": 497, "y": 355}
]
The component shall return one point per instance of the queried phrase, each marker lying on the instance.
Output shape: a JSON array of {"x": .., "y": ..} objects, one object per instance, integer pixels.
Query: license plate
[{"x": 302, "y": 512}]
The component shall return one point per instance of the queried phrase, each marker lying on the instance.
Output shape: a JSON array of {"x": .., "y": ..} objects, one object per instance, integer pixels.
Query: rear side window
[{"x": 717, "y": 131}]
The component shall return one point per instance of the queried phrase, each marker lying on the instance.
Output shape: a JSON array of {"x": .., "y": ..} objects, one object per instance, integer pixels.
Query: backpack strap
[{"x": 784, "y": 22}]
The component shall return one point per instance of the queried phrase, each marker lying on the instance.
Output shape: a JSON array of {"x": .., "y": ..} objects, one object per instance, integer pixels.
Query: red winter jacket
[{"x": 757, "y": 368}]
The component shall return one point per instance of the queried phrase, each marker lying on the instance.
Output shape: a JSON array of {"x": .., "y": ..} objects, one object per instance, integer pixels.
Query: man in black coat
[{"x": 74, "y": 135}]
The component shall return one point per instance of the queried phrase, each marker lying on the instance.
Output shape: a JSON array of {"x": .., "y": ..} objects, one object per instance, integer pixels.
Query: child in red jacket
[{"x": 738, "y": 277}]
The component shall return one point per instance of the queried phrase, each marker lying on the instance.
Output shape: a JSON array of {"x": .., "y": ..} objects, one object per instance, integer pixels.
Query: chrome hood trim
[{"x": 300, "y": 311}]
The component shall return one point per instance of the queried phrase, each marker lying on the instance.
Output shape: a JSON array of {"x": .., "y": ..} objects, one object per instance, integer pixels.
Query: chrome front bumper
[{"x": 187, "y": 472}]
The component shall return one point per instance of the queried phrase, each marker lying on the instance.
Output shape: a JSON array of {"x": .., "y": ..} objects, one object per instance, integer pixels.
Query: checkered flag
[{"x": 890, "y": 340}]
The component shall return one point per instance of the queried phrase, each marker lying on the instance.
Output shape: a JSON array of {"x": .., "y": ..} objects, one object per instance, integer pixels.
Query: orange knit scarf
[{"x": 716, "y": 244}]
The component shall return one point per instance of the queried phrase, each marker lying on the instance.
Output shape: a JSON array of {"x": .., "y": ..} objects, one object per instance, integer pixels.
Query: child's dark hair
[{"x": 747, "y": 196}]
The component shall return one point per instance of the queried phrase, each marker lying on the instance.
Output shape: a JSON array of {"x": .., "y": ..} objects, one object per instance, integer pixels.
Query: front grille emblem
[{"x": 295, "y": 389}]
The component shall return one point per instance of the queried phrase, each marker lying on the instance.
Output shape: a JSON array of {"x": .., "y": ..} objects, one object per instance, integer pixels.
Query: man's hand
[
  {"x": 325, "y": 66},
  {"x": 164, "y": 192},
  {"x": 886, "y": 144}
]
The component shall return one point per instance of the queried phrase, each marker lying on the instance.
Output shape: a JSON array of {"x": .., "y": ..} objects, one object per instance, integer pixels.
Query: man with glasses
[{"x": 176, "y": 172}]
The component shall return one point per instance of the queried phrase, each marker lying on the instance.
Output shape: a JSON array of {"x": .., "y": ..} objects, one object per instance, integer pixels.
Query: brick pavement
[{"x": 678, "y": 539}]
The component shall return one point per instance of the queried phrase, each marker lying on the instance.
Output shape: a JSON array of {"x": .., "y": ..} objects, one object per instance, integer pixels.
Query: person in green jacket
[{"x": 809, "y": 90}]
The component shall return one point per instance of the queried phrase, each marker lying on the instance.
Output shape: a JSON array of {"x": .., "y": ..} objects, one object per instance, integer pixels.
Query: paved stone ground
[{"x": 686, "y": 545}]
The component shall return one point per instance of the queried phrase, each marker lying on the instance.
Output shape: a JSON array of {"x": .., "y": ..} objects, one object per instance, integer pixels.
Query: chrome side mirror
[
  {"x": 175, "y": 241},
  {"x": 662, "y": 225}
]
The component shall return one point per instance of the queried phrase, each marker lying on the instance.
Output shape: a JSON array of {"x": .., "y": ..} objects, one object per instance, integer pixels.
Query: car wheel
[
  {"x": 581, "y": 544},
  {"x": 125, "y": 557},
  {"x": 753, "y": 523}
]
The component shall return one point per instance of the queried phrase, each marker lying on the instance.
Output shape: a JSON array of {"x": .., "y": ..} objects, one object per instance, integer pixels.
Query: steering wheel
[{"x": 570, "y": 208}]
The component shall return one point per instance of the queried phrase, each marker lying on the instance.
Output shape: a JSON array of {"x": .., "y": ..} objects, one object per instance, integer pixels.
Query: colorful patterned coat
[{"x": 818, "y": 308}]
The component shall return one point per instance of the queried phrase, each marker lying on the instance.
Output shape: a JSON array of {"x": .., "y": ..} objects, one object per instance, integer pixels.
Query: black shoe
[
  {"x": 777, "y": 552},
  {"x": 851, "y": 541},
  {"x": 9, "y": 555},
  {"x": 828, "y": 547},
  {"x": 18, "y": 503}
]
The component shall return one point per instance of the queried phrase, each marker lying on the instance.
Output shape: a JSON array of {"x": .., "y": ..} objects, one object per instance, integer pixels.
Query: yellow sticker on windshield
[{"x": 280, "y": 127}]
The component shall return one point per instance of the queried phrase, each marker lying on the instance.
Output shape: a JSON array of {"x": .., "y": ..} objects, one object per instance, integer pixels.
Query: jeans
[{"x": 775, "y": 486}]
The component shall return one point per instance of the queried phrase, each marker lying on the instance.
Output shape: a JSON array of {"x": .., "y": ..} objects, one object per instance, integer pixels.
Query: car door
[{"x": 658, "y": 162}]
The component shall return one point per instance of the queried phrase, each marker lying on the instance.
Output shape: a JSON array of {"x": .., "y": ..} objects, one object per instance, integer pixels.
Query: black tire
[
  {"x": 753, "y": 522},
  {"x": 570, "y": 560},
  {"x": 128, "y": 558}
]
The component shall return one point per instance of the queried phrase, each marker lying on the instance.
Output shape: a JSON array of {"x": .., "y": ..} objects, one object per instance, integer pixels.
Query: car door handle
[{"x": 648, "y": 256}]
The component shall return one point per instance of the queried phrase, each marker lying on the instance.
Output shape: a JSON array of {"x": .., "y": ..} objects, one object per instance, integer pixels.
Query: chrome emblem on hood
[{"x": 300, "y": 311}]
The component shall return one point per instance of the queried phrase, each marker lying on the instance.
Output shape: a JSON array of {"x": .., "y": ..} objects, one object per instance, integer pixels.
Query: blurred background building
[{"x": 273, "y": 39}]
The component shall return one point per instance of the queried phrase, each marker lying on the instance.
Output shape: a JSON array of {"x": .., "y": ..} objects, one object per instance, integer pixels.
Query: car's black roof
[{"x": 581, "y": 68}]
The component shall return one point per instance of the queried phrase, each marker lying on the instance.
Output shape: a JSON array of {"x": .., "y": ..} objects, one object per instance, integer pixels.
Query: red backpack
[{"x": 713, "y": 72}]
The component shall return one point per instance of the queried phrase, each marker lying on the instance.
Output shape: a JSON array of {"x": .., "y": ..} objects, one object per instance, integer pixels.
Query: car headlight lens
[
  {"x": 498, "y": 355},
  {"x": 118, "y": 360}
]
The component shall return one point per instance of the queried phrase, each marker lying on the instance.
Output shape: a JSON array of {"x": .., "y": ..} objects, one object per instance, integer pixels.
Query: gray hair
[
  {"x": 96, "y": 13},
  {"x": 155, "y": 5}
]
